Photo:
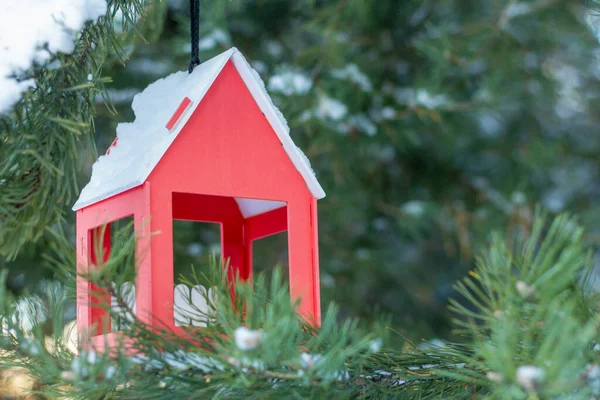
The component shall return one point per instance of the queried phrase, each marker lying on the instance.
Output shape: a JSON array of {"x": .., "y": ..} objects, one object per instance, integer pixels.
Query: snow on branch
[{"x": 31, "y": 31}]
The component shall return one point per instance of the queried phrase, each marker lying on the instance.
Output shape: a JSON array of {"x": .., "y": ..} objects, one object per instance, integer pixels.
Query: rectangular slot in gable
[{"x": 183, "y": 106}]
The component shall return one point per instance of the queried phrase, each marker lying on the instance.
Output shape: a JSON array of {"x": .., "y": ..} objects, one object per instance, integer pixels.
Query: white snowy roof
[{"x": 143, "y": 142}]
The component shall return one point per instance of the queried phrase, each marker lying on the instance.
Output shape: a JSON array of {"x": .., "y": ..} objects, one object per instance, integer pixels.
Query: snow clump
[{"x": 31, "y": 31}]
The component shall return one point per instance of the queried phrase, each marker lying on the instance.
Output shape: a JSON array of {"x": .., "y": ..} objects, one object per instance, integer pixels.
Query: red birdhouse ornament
[{"x": 207, "y": 146}]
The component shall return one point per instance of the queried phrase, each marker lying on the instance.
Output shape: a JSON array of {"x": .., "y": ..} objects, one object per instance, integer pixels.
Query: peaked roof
[{"x": 143, "y": 142}]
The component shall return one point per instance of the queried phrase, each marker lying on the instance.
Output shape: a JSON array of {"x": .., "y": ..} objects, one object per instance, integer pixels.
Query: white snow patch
[
  {"x": 274, "y": 48},
  {"x": 147, "y": 363},
  {"x": 248, "y": 339},
  {"x": 215, "y": 248},
  {"x": 28, "y": 27},
  {"x": 491, "y": 125},
  {"x": 517, "y": 9},
  {"x": 382, "y": 372},
  {"x": 518, "y": 198},
  {"x": 524, "y": 289},
  {"x": 375, "y": 345},
  {"x": 554, "y": 201},
  {"x": 380, "y": 223},
  {"x": 388, "y": 113},
  {"x": 175, "y": 360},
  {"x": 432, "y": 344},
  {"x": 593, "y": 377},
  {"x": 29, "y": 313},
  {"x": 413, "y": 208},
  {"x": 427, "y": 100},
  {"x": 310, "y": 360},
  {"x": 306, "y": 116},
  {"x": 420, "y": 97},
  {"x": 252, "y": 207},
  {"x": 384, "y": 154},
  {"x": 143, "y": 142},
  {"x": 30, "y": 346},
  {"x": 195, "y": 249},
  {"x": 352, "y": 73},
  {"x": 110, "y": 372},
  {"x": 179, "y": 360},
  {"x": 593, "y": 21},
  {"x": 495, "y": 376},
  {"x": 303, "y": 156},
  {"x": 80, "y": 365},
  {"x": 363, "y": 124},
  {"x": 529, "y": 376},
  {"x": 245, "y": 363},
  {"x": 330, "y": 108},
  {"x": 92, "y": 357},
  {"x": 290, "y": 82},
  {"x": 327, "y": 280}
]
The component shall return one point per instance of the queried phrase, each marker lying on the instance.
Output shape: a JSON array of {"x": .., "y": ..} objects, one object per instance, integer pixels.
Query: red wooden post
[
  {"x": 232, "y": 244},
  {"x": 156, "y": 304},
  {"x": 249, "y": 263},
  {"x": 99, "y": 239},
  {"x": 316, "y": 281},
  {"x": 142, "y": 223},
  {"x": 303, "y": 257},
  {"x": 84, "y": 320}
]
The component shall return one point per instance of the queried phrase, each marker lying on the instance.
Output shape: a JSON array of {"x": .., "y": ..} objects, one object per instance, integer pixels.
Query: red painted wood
[
  {"x": 248, "y": 268},
  {"x": 303, "y": 259},
  {"x": 99, "y": 239},
  {"x": 113, "y": 144},
  {"x": 177, "y": 114},
  {"x": 160, "y": 285},
  {"x": 143, "y": 229},
  {"x": 216, "y": 209},
  {"x": 232, "y": 239},
  {"x": 90, "y": 219},
  {"x": 111, "y": 341},
  {"x": 269, "y": 223},
  {"x": 260, "y": 226},
  {"x": 205, "y": 208},
  {"x": 226, "y": 149},
  {"x": 315, "y": 313}
]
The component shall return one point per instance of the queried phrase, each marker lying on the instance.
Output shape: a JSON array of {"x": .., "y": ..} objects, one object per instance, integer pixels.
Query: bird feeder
[{"x": 208, "y": 146}]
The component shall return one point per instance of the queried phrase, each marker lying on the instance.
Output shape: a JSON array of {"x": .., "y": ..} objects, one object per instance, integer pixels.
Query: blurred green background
[{"x": 429, "y": 124}]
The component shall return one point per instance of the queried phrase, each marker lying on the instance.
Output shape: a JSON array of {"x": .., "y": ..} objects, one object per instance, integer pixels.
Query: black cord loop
[{"x": 195, "y": 32}]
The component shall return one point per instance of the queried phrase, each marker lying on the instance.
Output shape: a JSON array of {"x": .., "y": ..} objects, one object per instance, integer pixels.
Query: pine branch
[
  {"x": 45, "y": 134},
  {"x": 517, "y": 307}
]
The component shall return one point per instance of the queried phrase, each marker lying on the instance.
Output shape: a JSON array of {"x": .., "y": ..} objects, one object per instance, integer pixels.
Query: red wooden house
[{"x": 208, "y": 146}]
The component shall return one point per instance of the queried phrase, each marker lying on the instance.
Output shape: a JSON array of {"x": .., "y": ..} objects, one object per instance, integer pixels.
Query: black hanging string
[{"x": 195, "y": 32}]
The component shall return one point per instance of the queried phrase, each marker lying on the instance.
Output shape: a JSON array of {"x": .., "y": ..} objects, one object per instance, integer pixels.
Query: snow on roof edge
[
  {"x": 258, "y": 91},
  {"x": 79, "y": 205}
]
